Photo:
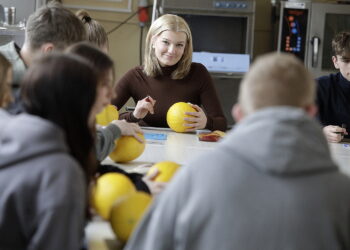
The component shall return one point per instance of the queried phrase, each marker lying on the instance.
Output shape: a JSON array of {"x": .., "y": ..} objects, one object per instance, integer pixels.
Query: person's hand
[
  {"x": 334, "y": 133},
  {"x": 155, "y": 187},
  {"x": 143, "y": 107},
  {"x": 198, "y": 120},
  {"x": 129, "y": 129}
]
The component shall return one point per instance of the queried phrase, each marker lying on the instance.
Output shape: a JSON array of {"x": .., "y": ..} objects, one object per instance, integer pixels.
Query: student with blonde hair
[
  {"x": 268, "y": 88},
  {"x": 270, "y": 184},
  {"x": 96, "y": 34},
  {"x": 5, "y": 81},
  {"x": 167, "y": 76}
]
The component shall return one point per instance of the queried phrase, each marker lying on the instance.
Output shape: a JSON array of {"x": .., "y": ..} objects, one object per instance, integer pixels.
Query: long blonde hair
[
  {"x": 5, "y": 89},
  {"x": 174, "y": 23}
]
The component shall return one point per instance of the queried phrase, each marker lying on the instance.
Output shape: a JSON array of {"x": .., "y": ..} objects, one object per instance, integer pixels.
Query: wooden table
[
  {"x": 179, "y": 148},
  {"x": 341, "y": 155}
]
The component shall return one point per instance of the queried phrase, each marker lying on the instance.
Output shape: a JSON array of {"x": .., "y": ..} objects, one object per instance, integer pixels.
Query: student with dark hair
[
  {"x": 104, "y": 67},
  {"x": 47, "y": 156},
  {"x": 51, "y": 27},
  {"x": 333, "y": 92},
  {"x": 106, "y": 136}
]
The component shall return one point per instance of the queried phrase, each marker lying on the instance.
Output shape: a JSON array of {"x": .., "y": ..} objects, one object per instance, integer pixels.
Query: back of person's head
[
  {"x": 62, "y": 89},
  {"x": 276, "y": 79},
  {"x": 5, "y": 81},
  {"x": 96, "y": 34},
  {"x": 341, "y": 44},
  {"x": 54, "y": 24},
  {"x": 174, "y": 23},
  {"x": 99, "y": 60}
]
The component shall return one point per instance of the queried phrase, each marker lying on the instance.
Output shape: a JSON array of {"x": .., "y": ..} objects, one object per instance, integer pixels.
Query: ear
[
  {"x": 237, "y": 112},
  {"x": 311, "y": 110},
  {"x": 105, "y": 48},
  {"x": 47, "y": 47},
  {"x": 335, "y": 62},
  {"x": 153, "y": 40}
]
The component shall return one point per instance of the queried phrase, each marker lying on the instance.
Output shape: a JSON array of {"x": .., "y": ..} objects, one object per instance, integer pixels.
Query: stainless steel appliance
[
  {"x": 14, "y": 30},
  {"x": 223, "y": 38},
  {"x": 307, "y": 29}
]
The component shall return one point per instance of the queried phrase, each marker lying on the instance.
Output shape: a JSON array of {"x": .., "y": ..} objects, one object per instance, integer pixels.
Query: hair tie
[{"x": 87, "y": 19}]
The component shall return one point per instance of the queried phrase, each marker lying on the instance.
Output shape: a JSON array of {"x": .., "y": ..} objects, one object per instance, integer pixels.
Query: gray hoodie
[
  {"x": 42, "y": 188},
  {"x": 105, "y": 138},
  {"x": 269, "y": 185}
]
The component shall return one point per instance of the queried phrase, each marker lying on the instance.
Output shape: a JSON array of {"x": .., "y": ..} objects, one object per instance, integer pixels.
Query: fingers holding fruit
[
  {"x": 196, "y": 120},
  {"x": 129, "y": 129},
  {"x": 155, "y": 187},
  {"x": 136, "y": 132}
]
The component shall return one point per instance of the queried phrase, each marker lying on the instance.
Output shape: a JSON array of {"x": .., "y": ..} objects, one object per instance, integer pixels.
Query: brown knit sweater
[{"x": 197, "y": 88}]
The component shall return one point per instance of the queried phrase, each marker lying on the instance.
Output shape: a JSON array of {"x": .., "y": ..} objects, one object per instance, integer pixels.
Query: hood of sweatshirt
[
  {"x": 281, "y": 141},
  {"x": 25, "y": 136}
]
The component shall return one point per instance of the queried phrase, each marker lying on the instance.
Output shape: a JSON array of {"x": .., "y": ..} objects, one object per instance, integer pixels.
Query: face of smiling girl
[{"x": 169, "y": 47}]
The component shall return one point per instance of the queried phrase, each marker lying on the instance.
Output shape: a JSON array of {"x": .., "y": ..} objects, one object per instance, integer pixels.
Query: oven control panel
[
  {"x": 294, "y": 26},
  {"x": 232, "y": 4}
]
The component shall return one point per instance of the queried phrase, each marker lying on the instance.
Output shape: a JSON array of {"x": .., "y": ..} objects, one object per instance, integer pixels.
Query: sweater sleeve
[
  {"x": 324, "y": 99},
  {"x": 105, "y": 138},
  {"x": 210, "y": 101},
  {"x": 129, "y": 117},
  {"x": 319, "y": 99},
  {"x": 123, "y": 92}
]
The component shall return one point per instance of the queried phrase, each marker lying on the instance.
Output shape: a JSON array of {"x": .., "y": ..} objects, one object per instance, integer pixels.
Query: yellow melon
[
  {"x": 127, "y": 212},
  {"x": 176, "y": 114},
  {"x": 107, "y": 115},
  {"x": 166, "y": 170},
  {"x": 127, "y": 148},
  {"x": 109, "y": 188}
]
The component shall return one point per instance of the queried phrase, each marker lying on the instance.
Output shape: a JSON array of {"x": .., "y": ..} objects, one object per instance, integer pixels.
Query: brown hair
[
  {"x": 54, "y": 24},
  {"x": 61, "y": 88},
  {"x": 99, "y": 60},
  {"x": 341, "y": 44},
  {"x": 171, "y": 23},
  {"x": 96, "y": 34},
  {"x": 276, "y": 79},
  {"x": 5, "y": 89}
]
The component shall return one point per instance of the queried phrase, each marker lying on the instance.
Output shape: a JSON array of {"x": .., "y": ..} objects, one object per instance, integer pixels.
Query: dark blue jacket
[{"x": 333, "y": 100}]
